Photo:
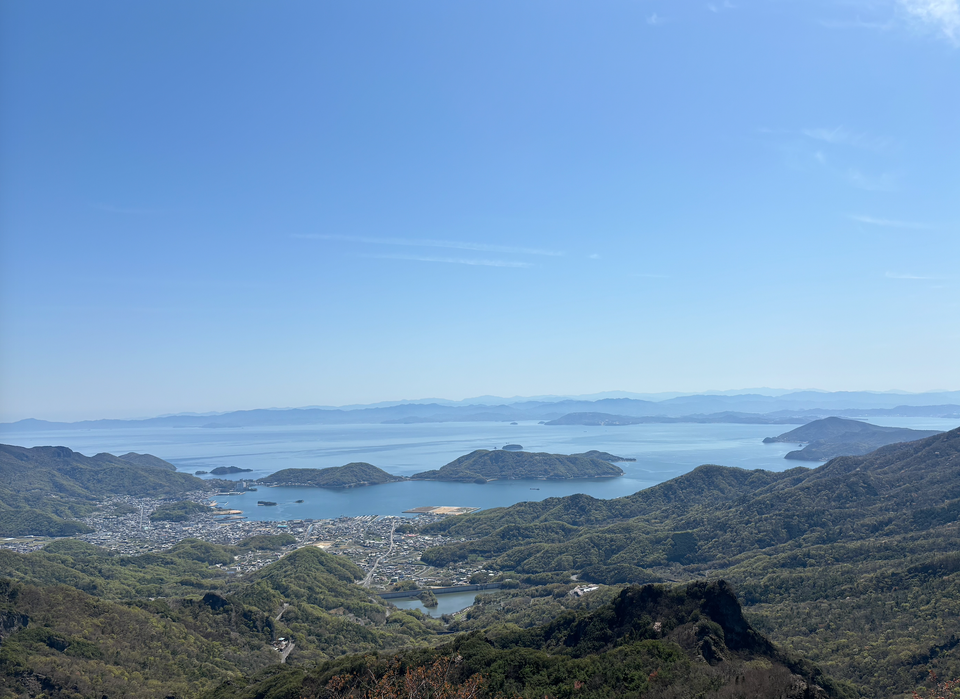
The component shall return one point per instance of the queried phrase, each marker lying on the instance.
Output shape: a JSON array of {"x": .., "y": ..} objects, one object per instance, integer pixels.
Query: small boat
[{"x": 534, "y": 488}]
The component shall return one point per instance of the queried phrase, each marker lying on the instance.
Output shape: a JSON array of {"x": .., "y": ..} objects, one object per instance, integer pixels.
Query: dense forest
[
  {"x": 854, "y": 564},
  {"x": 76, "y": 620},
  {"x": 835, "y": 436},
  {"x": 485, "y": 465},
  {"x": 651, "y": 641},
  {"x": 349, "y": 476}
]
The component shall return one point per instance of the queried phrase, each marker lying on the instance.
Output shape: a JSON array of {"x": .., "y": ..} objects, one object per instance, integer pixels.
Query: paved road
[
  {"x": 284, "y": 608},
  {"x": 369, "y": 579}
]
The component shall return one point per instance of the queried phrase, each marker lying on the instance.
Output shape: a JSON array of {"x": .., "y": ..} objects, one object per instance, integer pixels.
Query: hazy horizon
[{"x": 483, "y": 400}]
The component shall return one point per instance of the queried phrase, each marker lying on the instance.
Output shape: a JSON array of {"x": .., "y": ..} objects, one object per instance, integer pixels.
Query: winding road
[{"x": 369, "y": 579}]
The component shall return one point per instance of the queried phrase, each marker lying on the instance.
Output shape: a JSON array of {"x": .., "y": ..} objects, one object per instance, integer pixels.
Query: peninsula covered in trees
[
  {"x": 484, "y": 465},
  {"x": 835, "y": 436},
  {"x": 352, "y": 475}
]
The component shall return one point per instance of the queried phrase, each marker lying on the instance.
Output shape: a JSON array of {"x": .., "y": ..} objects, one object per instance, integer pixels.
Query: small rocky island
[
  {"x": 352, "y": 475},
  {"x": 483, "y": 465},
  {"x": 836, "y": 436}
]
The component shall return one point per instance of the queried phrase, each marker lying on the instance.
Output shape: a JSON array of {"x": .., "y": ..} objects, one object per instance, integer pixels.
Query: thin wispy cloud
[
  {"x": 720, "y": 7},
  {"x": 844, "y": 137},
  {"x": 430, "y": 243},
  {"x": 941, "y": 15},
  {"x": 655, "y": 20},
  {"x": 888, "y": 223},
  {"x": 898, "y": 275},
  {"x": 594, "y": 256},
  {"x": 452, "y": 260}
]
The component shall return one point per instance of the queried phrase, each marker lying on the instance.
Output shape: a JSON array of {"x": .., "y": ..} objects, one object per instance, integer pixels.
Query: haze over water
[{"x": 663, "y": 451}]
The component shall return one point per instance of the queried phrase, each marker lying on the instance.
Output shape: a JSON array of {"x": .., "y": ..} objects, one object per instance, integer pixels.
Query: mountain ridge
[{"x": 826, "y": 403}]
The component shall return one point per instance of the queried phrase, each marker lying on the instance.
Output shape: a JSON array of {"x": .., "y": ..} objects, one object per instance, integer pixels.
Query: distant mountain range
[{"x": 793, "y": 407}]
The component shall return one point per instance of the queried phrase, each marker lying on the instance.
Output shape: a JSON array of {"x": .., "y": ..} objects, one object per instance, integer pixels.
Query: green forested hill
[
  {"x": 41, "y": 488},
  {"x": 78, "y": 621},
  {"x": 349, "y": 476},
  {"x": 835, "y": 436},
  {"x": 866, "y": 544},
  {"x": 648, "y": 642},
  {"x": 484, "y": 465},
  {"x": 147, "y": 460},
  {"x": 60, "y": 642}
]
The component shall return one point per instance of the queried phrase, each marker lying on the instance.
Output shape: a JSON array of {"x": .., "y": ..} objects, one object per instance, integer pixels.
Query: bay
[{"x": 663, "y": 451}]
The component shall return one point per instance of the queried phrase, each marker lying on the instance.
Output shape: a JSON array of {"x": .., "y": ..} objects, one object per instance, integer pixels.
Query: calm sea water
[{"x": 662, "y": 452}]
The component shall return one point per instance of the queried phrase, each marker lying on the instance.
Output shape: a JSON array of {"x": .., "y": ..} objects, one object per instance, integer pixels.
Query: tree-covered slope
[
  {"x": 649, "y": 642},
  {"x": 147, "y": 460},
  {"x": 77, "y": 617},
  {"x": 861, "y": 529},
  {"x": 708, "y": 484},
  {"x": 60, "y": 642},
  {"x": 349, "y": 476},
  {"x": 834, "y": 436},
  {"x": 41, "y": 488},
  {"x": 485, "y": 465}
]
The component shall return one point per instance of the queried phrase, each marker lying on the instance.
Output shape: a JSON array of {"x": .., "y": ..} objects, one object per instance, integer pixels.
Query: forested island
[
  {"x": 835, "y": 436},
  {"x": 485, "y": 465},
  {"x": 229, "y": 470},
  {"x": 353, "y": 475}
]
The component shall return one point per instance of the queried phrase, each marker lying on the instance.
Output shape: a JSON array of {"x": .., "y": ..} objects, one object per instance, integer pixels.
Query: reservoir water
[
  {"x": 446, "y": 604},
  {"x": 662, "y": 452}
]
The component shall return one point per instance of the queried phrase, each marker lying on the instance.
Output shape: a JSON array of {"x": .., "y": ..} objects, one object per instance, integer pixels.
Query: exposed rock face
[{"x": 11, "y": 622}]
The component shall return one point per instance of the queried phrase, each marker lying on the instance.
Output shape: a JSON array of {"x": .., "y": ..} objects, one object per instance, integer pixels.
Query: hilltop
[
  {"x": 834, "y": 436},
  {"x": 352, "y": 475},
  {"x": 484, "y": 465},
  {"x": 147, "y": 460}
]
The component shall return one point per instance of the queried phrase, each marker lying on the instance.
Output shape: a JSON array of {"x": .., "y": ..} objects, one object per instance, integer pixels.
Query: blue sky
[{"x": 223, "y": 205}]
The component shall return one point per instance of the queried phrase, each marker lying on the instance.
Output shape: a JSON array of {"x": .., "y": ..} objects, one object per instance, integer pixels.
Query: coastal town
[{"x": 388, "y": 548}]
